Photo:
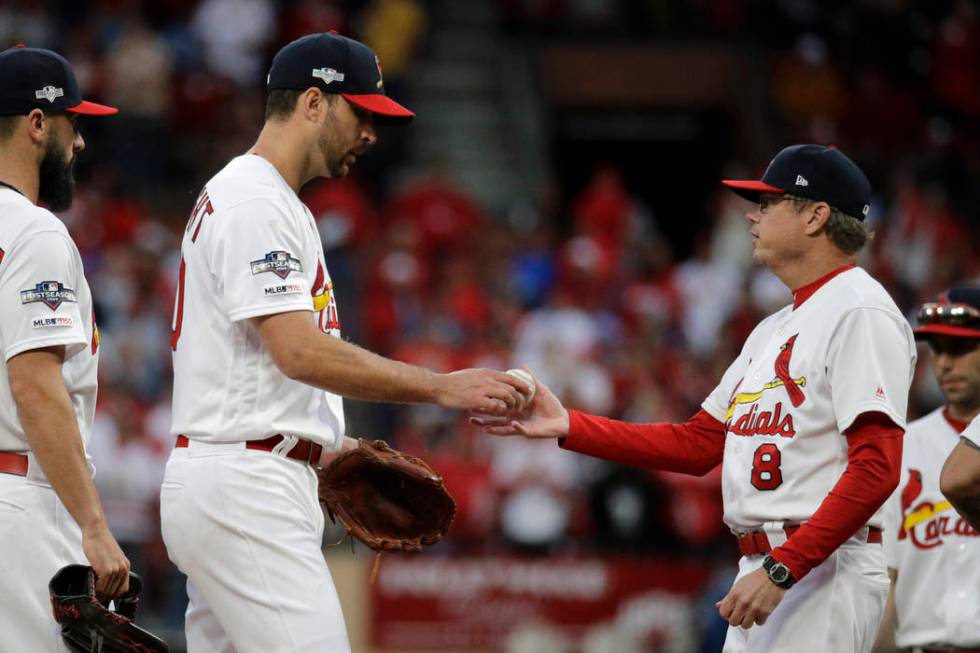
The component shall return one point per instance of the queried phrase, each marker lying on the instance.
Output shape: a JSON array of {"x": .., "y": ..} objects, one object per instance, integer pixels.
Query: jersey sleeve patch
[
  {"x": 278, "y": 262},
  {"x": 50, "y": 293},
  {"x": 53, "y": 322},
  {"x": 286, "y": 288}
]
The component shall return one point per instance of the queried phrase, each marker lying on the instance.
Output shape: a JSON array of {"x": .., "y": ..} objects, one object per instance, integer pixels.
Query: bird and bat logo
[
  {"x": 777, "y": 421},
  {"x": 924, "y": 523}
]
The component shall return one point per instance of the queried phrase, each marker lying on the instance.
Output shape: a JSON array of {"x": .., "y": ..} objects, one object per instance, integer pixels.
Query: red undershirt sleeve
[
  {"x": 694, "y": 447},
  {"x": 874, "y": 456}
]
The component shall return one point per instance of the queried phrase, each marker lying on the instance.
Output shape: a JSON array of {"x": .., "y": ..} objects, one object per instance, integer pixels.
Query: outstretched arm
[
  {"x": 694, "y": 447},
  {"x": 304, "y": 353}
]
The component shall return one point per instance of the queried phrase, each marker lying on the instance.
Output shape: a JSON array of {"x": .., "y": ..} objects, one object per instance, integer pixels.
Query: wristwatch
[{"x": 778, "y": 573}]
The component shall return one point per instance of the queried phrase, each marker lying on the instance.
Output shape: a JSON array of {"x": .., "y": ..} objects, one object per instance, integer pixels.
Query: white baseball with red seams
[{"x": 529, "y": 380}]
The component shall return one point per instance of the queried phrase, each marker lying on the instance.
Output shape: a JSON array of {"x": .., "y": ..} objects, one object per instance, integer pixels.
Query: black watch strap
[{"x": 778, "y": 573}]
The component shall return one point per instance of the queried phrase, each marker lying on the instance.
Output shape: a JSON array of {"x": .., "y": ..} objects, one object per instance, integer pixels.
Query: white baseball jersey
[
  {"x": 251, "y": 248},
  {"x": 801, "y": 380},
  {"x": 934, "y": 549},
  {"x": 44, "y": 301}
]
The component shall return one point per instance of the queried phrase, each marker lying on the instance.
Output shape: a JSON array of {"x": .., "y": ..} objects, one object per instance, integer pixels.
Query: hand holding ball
[{"x": 529, "y": 380}]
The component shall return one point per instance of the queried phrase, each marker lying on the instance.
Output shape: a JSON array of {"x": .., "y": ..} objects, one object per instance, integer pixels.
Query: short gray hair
[{"x": 847, "y": 232}]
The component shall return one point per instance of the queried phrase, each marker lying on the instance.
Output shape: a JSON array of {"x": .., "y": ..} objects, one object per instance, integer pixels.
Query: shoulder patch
[
  {"x": 279, "y": 262},
  {"x": 50, "y": 293},
  {"x": 56, "y": 321},
  {"x": 286, "y": 288},
  {"x": 1, "y": 255}
]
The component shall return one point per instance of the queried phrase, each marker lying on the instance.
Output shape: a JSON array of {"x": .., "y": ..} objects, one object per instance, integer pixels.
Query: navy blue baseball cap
[
  {"x": 336, "y": 64},
  {"x": 955, "y": 313},
  {"x": 34, "y": 78},
  {"x": 818, "y": 173}
]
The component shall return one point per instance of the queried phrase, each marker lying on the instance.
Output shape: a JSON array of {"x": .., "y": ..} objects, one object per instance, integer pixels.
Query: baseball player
[
  {"x": 50, "y": 513},
  {"x": 930, "y": 550},
  {"x": 260, "y": 369},
  {"x": 807, "y": 422}
]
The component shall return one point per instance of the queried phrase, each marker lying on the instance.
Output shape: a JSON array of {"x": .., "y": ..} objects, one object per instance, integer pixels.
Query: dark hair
[
  {"x": 281, "y": 102},
  {"x": 7, "y": 126}
]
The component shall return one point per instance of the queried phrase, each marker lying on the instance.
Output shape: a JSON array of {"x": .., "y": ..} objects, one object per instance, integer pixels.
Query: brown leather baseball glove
[{"x": 386, "y": 499}]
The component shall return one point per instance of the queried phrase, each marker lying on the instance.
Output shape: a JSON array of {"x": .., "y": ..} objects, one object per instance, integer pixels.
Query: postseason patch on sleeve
[
  {"x": 279, "y": 262},
  {"x": 56, "y": 321},
  {"x": 50, "y": 293}
]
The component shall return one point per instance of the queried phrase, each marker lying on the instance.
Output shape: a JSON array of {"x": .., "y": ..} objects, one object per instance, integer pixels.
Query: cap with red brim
[
  {"x": 92, "y": 109},
  {"x": 814, "y": 172},
  {"x": 750, "y": 189},
  {"x": 383, "y": 107},
  {"x": 949, "y": 330}
]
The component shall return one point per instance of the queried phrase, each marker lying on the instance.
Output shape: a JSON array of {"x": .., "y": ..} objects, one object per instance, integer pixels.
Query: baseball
[{"x": 528, "y": 379}]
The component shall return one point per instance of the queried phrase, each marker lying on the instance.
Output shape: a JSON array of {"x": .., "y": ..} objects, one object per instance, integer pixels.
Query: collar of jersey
[
  {"x": 804, "y": 293},
  {"x": 958, "y": 425}
]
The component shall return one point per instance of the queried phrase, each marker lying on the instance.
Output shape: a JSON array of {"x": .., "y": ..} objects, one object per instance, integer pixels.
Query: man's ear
[
  {"x": 815, "y": 217},
  {"x": 37, "y": 126},
  {"x": 312, "y": 104}
]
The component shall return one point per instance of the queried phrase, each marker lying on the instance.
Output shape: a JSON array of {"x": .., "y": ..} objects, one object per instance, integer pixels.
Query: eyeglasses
[
  {"x": 767, "y": 201},
  {"x": 952, "y": 314}
]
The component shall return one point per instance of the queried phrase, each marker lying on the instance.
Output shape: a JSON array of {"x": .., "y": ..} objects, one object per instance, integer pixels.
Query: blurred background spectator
[{"x": 555, "y": 204}]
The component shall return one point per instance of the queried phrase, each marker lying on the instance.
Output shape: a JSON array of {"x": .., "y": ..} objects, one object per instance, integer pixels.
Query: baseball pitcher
[{"x": 260, "y": 369}]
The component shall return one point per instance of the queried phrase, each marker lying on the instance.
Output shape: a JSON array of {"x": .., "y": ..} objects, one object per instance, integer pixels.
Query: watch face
[{"x": 779, "y": 573}]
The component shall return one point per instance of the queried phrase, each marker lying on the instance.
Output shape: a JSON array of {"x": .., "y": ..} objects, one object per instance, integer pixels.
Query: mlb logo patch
[
  {"x": 49, "y": 93},
  {"x": 328, "y": 75},
  {"x": 50, "y": 293},
  {"x": 278, "y": 262}
]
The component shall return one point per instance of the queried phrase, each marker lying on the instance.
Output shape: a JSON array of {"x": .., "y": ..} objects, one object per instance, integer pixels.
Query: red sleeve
[
  {"x": 694, "y": 447},
  {"x": 874, "y": 457}
]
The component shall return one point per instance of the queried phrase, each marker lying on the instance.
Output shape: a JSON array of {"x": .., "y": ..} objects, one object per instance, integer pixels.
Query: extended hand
[
  {"x": 544, "y": 417},
  {"x": 484, "y": 391},
  {"x": 751, "y": 600},
  {"x": 108, "y": 561}
]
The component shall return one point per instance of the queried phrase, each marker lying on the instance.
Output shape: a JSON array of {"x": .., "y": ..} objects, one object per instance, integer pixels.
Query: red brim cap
[
  {"x": 750, "y": 189},
  {"x": 92, "y": 109},
  {"x": 383, "y": 107},
  {"x": 923, "y": 332}
]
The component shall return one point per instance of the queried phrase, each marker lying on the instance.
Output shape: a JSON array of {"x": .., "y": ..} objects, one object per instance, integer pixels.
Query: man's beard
[
  {"x": 57, "y": 181},
  {"x": 336, "y": 166}
]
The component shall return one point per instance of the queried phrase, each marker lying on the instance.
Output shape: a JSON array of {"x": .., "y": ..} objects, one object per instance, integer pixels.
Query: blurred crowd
[{"x": 582, "y": 286}]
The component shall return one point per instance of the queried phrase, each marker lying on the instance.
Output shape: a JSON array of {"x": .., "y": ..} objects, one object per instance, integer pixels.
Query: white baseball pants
[
  {"x": 37, "y": 538},
  {"x": 836, "y": 608},
  {"x": 246, "y": 526}
]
